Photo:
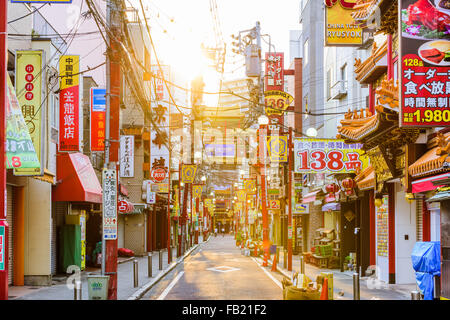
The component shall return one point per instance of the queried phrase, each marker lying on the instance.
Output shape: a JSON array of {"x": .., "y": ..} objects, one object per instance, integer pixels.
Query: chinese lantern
[
  {"x": 348, "y": 185},
  {"x": 378, "y": 202},
  {"x": 332, "y": 188}
]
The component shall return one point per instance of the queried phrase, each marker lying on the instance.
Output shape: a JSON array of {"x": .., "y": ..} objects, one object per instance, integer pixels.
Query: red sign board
[
  {"x": 274, "y": 79},
  {"x": 159, "y": 174},
  {"x": 125, "y": 206},
  {"x": 98, "y": 119},
  {"x": 69, "y": 117}
]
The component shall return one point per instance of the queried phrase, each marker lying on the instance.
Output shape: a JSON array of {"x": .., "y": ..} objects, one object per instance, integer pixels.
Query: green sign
[{"x": 2, "y": 248}]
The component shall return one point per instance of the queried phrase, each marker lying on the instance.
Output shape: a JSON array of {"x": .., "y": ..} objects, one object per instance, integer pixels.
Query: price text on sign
[
  {"x": 274, "y": 204},
  {"x": 332, "y": 156}
]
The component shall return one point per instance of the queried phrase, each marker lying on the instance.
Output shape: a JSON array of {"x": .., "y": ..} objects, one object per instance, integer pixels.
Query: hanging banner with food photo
[{"x": 425, "y": 62}]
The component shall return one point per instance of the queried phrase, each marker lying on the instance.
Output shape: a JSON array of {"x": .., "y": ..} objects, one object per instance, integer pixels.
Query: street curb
[{"x": 145, "y": 288}]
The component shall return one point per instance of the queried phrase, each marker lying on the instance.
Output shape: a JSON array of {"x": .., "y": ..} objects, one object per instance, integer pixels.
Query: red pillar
[
  {"x": 3, "y": 223},
  {"x": 290, "y": 173},
  {"x": 390, "y": 71},
  {"x": 169, "y": 233},
  {"x": 373, "y": 258},
  {"x": 391, "y": 227},
  {"x": 426, "y": 232},
  {"x": 265, "y": 218},
  {"x": 298, "y": 102}
]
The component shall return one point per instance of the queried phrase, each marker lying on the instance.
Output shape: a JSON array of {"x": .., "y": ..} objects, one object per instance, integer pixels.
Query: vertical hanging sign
[
  {"x": 69, "y": 117},
  {"x": 98, "y": 115},
  {"x": 29, "y": 77},
  {"x": 274, "y": 71},
  {"x": 109, "y": 178},
  {"x": 2, "y": 248},
  {"x": 127, "y": 156}
]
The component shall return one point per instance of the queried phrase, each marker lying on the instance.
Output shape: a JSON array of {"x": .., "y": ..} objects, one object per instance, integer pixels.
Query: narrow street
[{"x": 217, "y": 271}]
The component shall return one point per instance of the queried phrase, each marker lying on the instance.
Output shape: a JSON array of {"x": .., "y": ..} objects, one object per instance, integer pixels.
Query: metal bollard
[
  {"x": 135, "y": 273},
  {"x": 437, "y": 288},
  {"x": 356, "y": 289},
  {"x": 415, "y": 295},
  {"x": 302, "y": 264},
  {"x": 160, "y": 260},
  {"x": 77, "y": 291},
  {"x": 149, "y": 265},
  {"x": 278, "y": 255}
]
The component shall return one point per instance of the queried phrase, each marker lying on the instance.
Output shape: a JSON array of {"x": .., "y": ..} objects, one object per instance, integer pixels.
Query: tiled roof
[
  {"x": 373, "y": 63},
  {"x": 366, "y": 179},
  {"x": 357, "y": 128},
  {"x": 432, "y": 161}
]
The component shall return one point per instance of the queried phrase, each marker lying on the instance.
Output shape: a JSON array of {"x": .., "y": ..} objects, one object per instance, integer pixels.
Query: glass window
[{"x": 306, "y": 52}]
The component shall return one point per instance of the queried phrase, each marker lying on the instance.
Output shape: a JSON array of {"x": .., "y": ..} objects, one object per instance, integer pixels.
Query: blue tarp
[{"x": 426, "y": 261}]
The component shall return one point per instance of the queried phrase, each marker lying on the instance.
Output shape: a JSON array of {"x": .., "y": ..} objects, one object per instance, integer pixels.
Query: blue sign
[
  {"x": 220, "y": 150},
  {"x": 98, "y": 99}
]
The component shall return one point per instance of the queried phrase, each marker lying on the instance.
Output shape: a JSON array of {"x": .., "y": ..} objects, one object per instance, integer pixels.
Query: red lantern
[
  {"x": 348, "y": 183},
  {"x": 332, "y": 188}
]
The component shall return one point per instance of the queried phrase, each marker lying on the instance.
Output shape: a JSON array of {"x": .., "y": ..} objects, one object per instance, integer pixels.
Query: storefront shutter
[
  {"x": 53, "y": 252},
  {"x": 10, "y": 220},
  {"x": 58, "y": 214},
  {"x": 419, "y": 220}
]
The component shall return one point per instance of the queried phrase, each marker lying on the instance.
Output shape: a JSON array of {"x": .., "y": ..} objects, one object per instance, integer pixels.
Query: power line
[{"x": 30, "y": 13}]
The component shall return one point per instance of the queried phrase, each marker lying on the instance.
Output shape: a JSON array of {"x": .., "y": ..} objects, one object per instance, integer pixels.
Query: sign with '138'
[{"x": 327, "y": 156}]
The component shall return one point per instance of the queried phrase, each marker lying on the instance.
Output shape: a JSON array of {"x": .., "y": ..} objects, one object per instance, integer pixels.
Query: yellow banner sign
[
  {"x": 277, "y": 102},
  {"x": 197, "y": 190},
  {"x": 29, "y": 94},
  {"x": 250, "y": 186},
  {"x": 241, "y": 195},
  {"x": 340, "y": 28},
  {"x": 188, "y": 172},
  {"x": 277, "y": 147}
]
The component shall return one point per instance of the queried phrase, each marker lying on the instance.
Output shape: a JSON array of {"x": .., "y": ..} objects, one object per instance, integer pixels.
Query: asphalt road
[{"x": 218, "y": 271}]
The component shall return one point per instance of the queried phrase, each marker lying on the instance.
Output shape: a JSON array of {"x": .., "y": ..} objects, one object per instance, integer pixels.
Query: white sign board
[
  {"x": 151, "y": 196},
  {"x": 109, "y": 179},
  {"x": 127, "y": 156}
]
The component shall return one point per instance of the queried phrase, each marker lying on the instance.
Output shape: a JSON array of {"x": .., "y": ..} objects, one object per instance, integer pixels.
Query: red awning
[
  {"x": 76, "y": 179},
  {"x": 426, "y": 184},
  {"x": 310, "y": 197}
]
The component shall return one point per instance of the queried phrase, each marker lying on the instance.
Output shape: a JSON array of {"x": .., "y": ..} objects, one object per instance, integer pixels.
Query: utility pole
[
  {"x": 289, "y": 196},
  {"x": 113, "y": 86},
  {"x": 3, "y": 223}
]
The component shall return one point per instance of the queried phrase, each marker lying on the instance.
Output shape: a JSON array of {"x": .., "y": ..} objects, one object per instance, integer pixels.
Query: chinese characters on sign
[
  {"x": 109, "y": 204},
  {"x": 2, "y": 248},
  {"x": 277, "y": 147},
  {"x": 425, "y": 72},
  {"x": 327, "y": 156},
  {"x": 98, "y": 115},
  {"x": 382, "y": 228},
  {"x": 127, "y": 156},
  {"x": 29, "y": 92},
  {"x": 188, "y": 172},
  {"x": 20, "y": 151},
  {"x": 69, "y": 116},
  {"x": 340, "y": 27},
  {"x": 274, "y": 79}
]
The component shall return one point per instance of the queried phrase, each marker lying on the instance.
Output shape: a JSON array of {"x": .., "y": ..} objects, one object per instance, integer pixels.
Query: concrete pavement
[
  {"x": 343, "y": 282},
  {"x": 125, "y": 283}
]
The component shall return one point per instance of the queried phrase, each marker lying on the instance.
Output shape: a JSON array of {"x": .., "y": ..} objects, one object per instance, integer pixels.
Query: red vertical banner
[
  {"x": 98, "y": 119},
  {"x": 69, "y": 104},
  {"x": 274, "y": 79}
]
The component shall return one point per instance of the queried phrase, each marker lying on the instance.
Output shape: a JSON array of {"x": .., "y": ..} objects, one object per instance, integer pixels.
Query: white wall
[{"x": 405, "y": 225}]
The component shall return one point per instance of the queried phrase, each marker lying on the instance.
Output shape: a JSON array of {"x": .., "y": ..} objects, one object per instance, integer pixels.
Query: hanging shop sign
[
  {"x": 158, "y": 174},
  {"x": 125, "y": 206},
  {"x": 277, "y": 146},
  {"x": 274, "y": 204},
  {"x": 340, "y": 27},
  {"x": 69, "y": 103},
  {"x": 274, "y": 78},
  {"x": 382, "y": 213},
  {"x": 127, "y": 156},
  {"x": 160, "y": 187},
  {"x": 300, "y": 208},
  {"x": 20, "y": 151},
  {"x": 327, "y": 156},
  {"x": 29, "y": 92},
  {"x": 97, "y": 119},
  {"x": 109, "y": 182},
  {"x": 425, "y": 62},
  {"x": 277, "y": 101},
  {"x": 241, "y": 195},
  {"x": 250, "y": 186},
  {"x": 197, "y": 190},
  {"x": 2, "y": 248},
  {"x": 188, "y": 172}
]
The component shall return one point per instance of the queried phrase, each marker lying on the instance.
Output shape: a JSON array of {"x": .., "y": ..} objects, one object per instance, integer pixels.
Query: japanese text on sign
[
  {"x": 327, "y": 156},
  {"x": 274, "y": 71},
  {"x": 109, "y": 204},
  {"x": 127, "y": 156},
  {"x": 98, "y": 115}
]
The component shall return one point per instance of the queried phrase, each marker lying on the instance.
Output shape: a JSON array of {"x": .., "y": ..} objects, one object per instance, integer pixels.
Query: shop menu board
[
  {"x": 382, "y": 228},
  {"x": 425, "y": 62}
]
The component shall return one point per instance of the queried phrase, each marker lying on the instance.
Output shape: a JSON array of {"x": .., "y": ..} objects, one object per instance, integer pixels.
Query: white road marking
[
  {"x": 278, "y": 283},
  {"x": 223, "y": 269},
  {"x": 170, "y": 286}
]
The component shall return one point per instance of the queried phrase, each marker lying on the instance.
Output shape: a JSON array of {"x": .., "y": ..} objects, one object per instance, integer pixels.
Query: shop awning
[
  {"x": 333, "y": 206},
  {"x": 426, "y": 184},
  {"x": 76, "y": 179},
  {"x": 440, "y": 196},
  {"x": 310, "y": 197}
]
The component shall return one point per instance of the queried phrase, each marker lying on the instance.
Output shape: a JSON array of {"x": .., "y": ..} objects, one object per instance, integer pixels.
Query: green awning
[{"x": 440, "y": 196}]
